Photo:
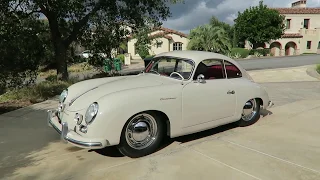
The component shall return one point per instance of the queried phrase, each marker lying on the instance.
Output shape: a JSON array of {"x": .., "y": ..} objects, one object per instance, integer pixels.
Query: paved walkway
[
  {"x": 282, "y": 145},
  {"x": 279, "y": 146},
  {"x": 295, "y": 74}
]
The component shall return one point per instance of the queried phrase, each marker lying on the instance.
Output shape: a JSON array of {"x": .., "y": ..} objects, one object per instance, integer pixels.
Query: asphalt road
[
  {"x": 248, "y": 64},
  {"x": 25, "y": 133},
  {"x": 272, "y": 63},
  {"x": 279, "y": 62}
]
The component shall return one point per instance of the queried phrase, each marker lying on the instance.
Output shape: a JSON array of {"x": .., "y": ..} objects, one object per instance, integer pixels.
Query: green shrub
[
  {"x": 318, "y": 68},
  {"x": 35, "y": 93},
  {"x": 263, "y": 52},
  {"x": 51, "y": 78},
  {"x": 121, "y": 57},
  {"x": 149, "y": 56},
  {"x": 243, "y": 52}
]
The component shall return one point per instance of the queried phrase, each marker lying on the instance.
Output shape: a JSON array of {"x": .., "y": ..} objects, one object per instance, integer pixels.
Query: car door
[{"x": 212, "y": 99}]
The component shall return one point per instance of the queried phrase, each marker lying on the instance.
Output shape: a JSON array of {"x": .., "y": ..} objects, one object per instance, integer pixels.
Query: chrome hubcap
[
  {"x": 249, "y": 110},
  {"x": 141, "y": 131}
]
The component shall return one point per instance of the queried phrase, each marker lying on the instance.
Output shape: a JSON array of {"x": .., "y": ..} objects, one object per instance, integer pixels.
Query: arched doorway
[
  {"x": 291, "y": 48},
  {"x": 259, "y": 46},
  {"x": 275, "y": 48}
]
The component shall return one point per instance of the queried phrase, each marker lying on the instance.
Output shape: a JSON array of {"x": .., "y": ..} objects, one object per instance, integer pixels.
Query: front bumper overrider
[{"x": 70, "y": 136}]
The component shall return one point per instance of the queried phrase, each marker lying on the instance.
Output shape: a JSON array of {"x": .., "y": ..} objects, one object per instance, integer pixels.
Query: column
[{"x": 282, "y": 52}]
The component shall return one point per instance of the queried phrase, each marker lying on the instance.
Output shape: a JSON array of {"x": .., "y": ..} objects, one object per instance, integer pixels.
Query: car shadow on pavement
[{"x": 113, "y": 151}]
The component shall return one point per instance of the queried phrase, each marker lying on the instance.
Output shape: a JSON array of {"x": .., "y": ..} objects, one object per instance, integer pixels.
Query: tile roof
[
  {"x": 298, "y": 10},
  {"x": 160, "y": 34},
  {"x": 165, "y": 33},
  {"x": 292, "y": 35},
  {"x": 171, "y": 31}
]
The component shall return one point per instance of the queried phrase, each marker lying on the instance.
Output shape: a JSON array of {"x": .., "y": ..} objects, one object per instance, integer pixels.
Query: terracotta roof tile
[
  {"x": 165, "y": 33},
  {"x": 298, "y": 10},
  {"x": 292, "y": 35},
  {"x": 171, "y": 31},
  {"x": 160, "y": 34}
]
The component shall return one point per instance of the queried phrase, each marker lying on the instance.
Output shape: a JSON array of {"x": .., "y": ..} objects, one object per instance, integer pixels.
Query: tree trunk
[
  {"x": 61, "y": 60},
  {"x": 60, "y": 47}
]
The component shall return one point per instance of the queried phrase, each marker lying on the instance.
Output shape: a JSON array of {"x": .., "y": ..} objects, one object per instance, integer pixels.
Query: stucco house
[
  {"x": 302, "y": 34},
  {"x": 164, "y": 40}
]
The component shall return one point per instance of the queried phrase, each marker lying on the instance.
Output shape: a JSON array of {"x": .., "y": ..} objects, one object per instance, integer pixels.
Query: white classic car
[{"x": 179, "y": 93}]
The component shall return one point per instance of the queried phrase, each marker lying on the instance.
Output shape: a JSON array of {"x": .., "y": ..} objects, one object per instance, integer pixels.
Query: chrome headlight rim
[
  {"x": 63, "y": 95},
  {"x": 91, "y": 113}
]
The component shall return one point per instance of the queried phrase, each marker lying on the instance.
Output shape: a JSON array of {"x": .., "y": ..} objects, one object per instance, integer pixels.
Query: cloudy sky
[{"x": 197, "y": 12}]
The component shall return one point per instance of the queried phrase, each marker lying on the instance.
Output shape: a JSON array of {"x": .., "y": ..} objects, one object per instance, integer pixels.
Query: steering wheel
[
  {"x": 177, "y": 74},
  {"x": 154, "y": 72}
]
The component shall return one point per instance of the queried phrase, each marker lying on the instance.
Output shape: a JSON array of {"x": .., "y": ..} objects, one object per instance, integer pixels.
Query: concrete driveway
[{"x": 284, "y": 144}]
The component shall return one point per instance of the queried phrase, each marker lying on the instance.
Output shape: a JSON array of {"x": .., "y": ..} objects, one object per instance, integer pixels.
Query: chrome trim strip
[
  {"x": 84, "y": 144},
  {"x": 55, "y": 128},
  {"x": 74, "y": 99}
]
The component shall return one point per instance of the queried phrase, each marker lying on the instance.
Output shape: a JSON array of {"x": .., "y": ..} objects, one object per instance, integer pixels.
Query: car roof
[{"x": 197, "y": 56}]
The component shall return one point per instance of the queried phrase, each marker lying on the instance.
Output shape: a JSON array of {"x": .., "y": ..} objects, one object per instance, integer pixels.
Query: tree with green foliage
[
  {"x": 230, "y": 30},
  {"x": 21, "y": 48},
  {"x": 82, "y": 20},
  {"x": 259, "y": 24},
  {"x": 144, "y": 42},
  {"x": 209, "y": 38}
]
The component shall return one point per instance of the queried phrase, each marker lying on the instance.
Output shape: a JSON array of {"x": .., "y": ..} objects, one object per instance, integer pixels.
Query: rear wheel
[
  {"x": 250, "y": 113},
  {"x": 141, "y": 135}
]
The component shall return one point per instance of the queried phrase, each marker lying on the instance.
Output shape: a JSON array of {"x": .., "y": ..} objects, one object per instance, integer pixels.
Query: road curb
[
  {"x": 275, "y": 57},
  {"x": 275, "y": 69},
  {"x": 311, "y": 71}
]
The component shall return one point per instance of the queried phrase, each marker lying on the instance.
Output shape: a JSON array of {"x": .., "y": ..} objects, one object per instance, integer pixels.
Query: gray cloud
[{"x": 198, "y": 12}]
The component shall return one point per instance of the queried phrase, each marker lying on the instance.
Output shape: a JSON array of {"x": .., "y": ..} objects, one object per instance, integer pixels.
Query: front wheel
[
  {"x": 141, "y": 135},
  {"x": 250, "y": 113}
]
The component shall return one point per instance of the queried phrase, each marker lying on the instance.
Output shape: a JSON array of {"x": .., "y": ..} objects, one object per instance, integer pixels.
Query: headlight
[
  {"x": 91, "y": 113},
  {"x": 63, "y": 96}
]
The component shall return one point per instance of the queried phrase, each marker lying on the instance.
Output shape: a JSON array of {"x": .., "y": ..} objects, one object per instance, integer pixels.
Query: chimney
[{"x": 299, "y": 4}]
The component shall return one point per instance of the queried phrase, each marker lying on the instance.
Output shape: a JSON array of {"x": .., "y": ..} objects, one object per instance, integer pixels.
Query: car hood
[{"x": 84, "y": 93}]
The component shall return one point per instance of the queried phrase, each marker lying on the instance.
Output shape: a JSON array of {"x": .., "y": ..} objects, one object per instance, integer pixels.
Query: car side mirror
[{"x": 200, "y": 78}]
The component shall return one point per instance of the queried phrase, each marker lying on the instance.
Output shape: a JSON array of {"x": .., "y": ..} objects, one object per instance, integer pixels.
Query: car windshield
[{"x": 166, "y": 66}]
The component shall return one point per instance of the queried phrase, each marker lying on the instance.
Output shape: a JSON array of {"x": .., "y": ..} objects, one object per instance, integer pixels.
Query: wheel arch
[{"x": 260, "y": 100}]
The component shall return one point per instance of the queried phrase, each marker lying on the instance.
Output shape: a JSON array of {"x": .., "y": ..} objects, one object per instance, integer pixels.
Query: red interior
[{"x": 216, "y": 71}]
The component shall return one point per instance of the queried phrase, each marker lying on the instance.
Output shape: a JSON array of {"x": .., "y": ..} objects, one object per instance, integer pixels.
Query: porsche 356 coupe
[{"x": 178, "y": 93}]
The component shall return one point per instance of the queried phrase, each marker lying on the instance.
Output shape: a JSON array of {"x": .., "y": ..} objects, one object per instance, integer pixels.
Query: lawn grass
[
  {"x": 74, "y": 68},
  {"x": 19, "y": 98}
]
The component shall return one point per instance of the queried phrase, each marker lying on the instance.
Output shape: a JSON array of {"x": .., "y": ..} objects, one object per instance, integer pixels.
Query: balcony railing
[{"x": 309, "y": 31}]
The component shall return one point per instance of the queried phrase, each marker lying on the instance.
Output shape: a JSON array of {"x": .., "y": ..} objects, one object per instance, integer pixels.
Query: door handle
[{"x": 231, "y": 92}]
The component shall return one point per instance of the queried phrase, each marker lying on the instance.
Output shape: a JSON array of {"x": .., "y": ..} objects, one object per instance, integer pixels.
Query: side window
[
  {"x": 232, "y": 70},
  {"x": 166, "y": 66},
  {"x": 211, "y": 69}
]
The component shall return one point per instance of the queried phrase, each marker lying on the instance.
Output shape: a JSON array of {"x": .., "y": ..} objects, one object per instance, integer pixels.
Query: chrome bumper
[{"x": 64, "y": 130}]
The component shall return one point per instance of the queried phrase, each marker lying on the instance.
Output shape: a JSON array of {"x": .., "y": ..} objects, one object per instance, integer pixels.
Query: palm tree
[{"x": 210, "y": 38}]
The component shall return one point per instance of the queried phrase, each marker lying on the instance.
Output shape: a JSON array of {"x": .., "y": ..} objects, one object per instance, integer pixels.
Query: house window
[
  {"x": 308, "y": 44},
  {"x": 177, "y": 46},
  {"x": 159, "y": 44},
  {"x": 319, "y": 45},
  {"x": 288, "y": 23},
  {"x": 306, "y": 23}
]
